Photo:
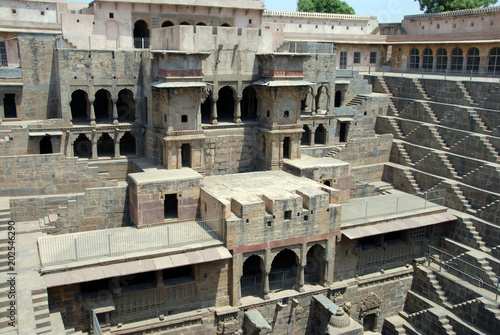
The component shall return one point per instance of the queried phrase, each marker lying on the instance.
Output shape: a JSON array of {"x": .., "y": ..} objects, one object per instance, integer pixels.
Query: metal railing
[
  {"x": 479, "y": 73},
  {"x": 364, "y": 208},
  {"x": 309, "y": 47},
  {"x": 466, "y": 271},
  {"x": 62, "y": 249},
  {"x": 97, "y": 42},
  {"x": 96, "y": 327},
  {"x": 279, "y": 280},
  {"x": 250, "y": 285}
]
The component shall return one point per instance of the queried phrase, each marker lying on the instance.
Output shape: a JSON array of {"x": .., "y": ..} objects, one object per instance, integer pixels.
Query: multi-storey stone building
[{"x": 209, "y": 167}]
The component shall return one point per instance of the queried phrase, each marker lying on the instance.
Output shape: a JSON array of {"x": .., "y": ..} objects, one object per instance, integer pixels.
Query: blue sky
[{"x": 386, "y": 11}]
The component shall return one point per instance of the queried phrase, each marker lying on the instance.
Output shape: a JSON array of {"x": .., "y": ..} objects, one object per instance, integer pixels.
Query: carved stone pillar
[
  {"x": 92, "y": 112},
  {"x": 299, "y": 285},
  {"x": 265, "y": 285},
  {"x": 117, "y": 145},
  {"x": 213, "y": 115},
  {"x": 179, "y": 156},
  {"x": 237, "y": 110},
  {"x": 115, "y": 111},
  {"x": 94, "y": 145}
]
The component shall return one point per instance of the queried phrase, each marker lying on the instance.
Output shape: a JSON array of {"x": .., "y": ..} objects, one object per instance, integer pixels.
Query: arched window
[
  {"x": 315, "y": 264},
  {"x": 78, "y": 106},
  {"x": 167, "y": 24},
  {"x": 201, "y": 24},
  {"x": 320, "y": 135},
  {"x": 427, "y": 59},
  {"x": 457, "y": 60},
  {"x": 473, "y": 60},
  {"x": 141, "y": 35},
  {"x": 252, "y": 276},
  {"x": 441, "y": 59},
  {"x": 225, "y": 25},
  {"x": 127, "y": 144},
  {"x": 105, "y": 146},
  {"x": 103, "y": 106},
  {"x": 206, "y": 108},
  {"x": 184, "y": 23},
  {"x": 338, "y": 98},
  {"x": 286, "y": 147},
  {"x": 125, "y": 106},
  {"x": 249, "y": 104},
  {"x": 225, "y": 104},
  {"x": 414, "y": 59},
  {"x": 45, "y": 145},
  {"x": 283, "y": 271},
  {"x": 306, "y": 136},
  {"x": 82, "y": 147},
  {"x": 494, "y": 61}
]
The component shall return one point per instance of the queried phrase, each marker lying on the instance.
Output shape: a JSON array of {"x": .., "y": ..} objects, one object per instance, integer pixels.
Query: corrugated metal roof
[
  {"x": 276, "y": 83},
  {"x": 128, "y": 268},
  {"x": 178, "y": 84},
  {"x": 398, "y": 225}
]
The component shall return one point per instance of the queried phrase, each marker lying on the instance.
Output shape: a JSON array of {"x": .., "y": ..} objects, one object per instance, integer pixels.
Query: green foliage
[
  {"x": 324, "y": 6},
  {"x": 436, "y": 6}
]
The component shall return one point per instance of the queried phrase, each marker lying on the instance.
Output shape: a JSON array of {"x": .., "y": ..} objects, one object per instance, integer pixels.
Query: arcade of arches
[
  {"x": 103, "y": 145},
  {"x": 286, "y": 271}
]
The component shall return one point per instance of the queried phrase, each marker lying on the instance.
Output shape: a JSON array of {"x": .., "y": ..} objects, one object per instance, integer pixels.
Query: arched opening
[
  {"x": 102, "y": 106},
  {"x": 184, "y": 23},
  {"x": 78, "y": 106},
  {"x": 249, "y": 104},
  {"x": 327, "y": 183},
  {"x": 127, "y": 144},
  {"x": 320, "y": 135},
  {"x": 283, "y": 271},
  {"x": 315, "y": 265},
  {"x": 338, "y": 98},
  {"x": 45, "y": 145},
  {"x": 441, "y": 59},
  {"x": 201, "y": 24},
  {"x": 82, "y": 147},
  {"x": 414, "y": 59},
  {"x": 167, "y": 24},
  {"x": 186, "y": 155},
  {"x": 457, "y": 60},
  {"x": 322, "y": 98},
  {"x": 206, "y": 108},
  {"x": 306, "y": 136},
  {"x": 286, "y": 147},
  {"x": 225, "y": 104},
  {"x": 473, "y": 60},
  {"x": 9, "y": 106},
  {"x": 370, "y": 322},
  {"x": 125, "y": 106},
  {"x": 251, "y": 279},
  {"x": 343, "y": 131},
  {"x": 105, "y": 146},
  {"x": 225, "y": 25},
  {"x": 141, "y": 35},
  {"x": 494, "y": 61},
  {"x": 427, "y": 59}
]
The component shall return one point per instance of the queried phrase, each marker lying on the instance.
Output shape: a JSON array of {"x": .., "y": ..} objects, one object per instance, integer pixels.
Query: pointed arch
[
  {"x": 283, "y": 273},
  {"x": 103, "y": 106},
  {"x": 225, "y": 104},
  {"x": 250, "y": 281},
  {"x": 125, "y": 106},
  {"x": 105, "y": 146},
  {"x": 82, "y": 147},
  {"x": 79, "y": 106},
  {"x": 128, "y": 145}
]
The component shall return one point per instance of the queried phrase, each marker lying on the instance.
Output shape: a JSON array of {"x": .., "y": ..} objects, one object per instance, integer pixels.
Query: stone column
[
  {"x": 56, "y": 144},
  {"x": 94, "y": 145},
  {"x": 115, "y": 111},
  {"x": 179, "y": 156},
  {"x": 69, "y": 145},
  {"x": 311, "y": 137},
  {"x": 299, "y": 285},
  {"x": 2, "y": 96},
  {"x": 159, "y": 278},
  {"x": 92, "y": 113},
  {"x": 117, "y": 144},
  {"x": 237, "y": 110},
  {"x": 213, "y": 115},
  {"x": 266, "y": 269},
  {"x": 313, "y": 104}
]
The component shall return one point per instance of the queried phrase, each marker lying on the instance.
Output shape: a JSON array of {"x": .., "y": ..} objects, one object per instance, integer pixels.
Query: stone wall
[
  {"x": 367, "y": 151},
  {"x": 47, "y": 174},
  {"x": 233, "y": 150},
  {"x": 13, "y": 141}
]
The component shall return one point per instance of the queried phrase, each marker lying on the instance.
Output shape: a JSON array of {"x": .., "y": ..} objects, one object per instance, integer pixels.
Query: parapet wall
[{"x": 47, "y": 174}]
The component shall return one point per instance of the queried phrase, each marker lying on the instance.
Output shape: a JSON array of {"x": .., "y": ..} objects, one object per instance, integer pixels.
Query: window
[
  {"x": 457, "y": 60},
  {"x": 494, "y": 61},
  {"x": 473, "y": 59},
  {"x": 42, "y": 12},
  {"x": 357, "y": 57},
  {"x": 373, "y": 57},
  {"x": 286, "y": 114},
  {"x": 414, "y": 59},
  {"x": 3, "y": 54},
  {"x": 441, "y": 60},
  {"x": 417, "y": 233},
  {"x": 427, "y": 59},
  {"x": 9, "y": 106},
  {"x": 288, "y": 215},
  {"x": 14, "y": 11},
  {"x": 111, "y": 15},
  {"x": 184, "y": 118},
  {"x": 343, "y": 59}
]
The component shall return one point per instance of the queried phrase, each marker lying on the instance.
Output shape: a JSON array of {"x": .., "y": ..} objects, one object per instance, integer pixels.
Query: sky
[{"x": 385, "y": 11}]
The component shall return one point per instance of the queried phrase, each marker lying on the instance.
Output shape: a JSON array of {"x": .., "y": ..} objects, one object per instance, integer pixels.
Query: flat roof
[
  {"x": 398, "y": 225},
  {"x": 158, "y": 176},
  {"x": 277, "y": 183},
  {"x": 312, "y": 162}
]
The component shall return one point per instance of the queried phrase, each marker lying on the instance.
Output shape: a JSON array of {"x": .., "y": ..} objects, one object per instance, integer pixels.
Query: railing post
[
  {"x": 397, "y": 203},
  {"x": 470, "y": 75},
  {"x": 142, "y": 42},
  {"x": 76, "y": 250},
  {"x": 109, "y": 244}
]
